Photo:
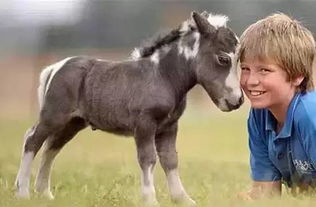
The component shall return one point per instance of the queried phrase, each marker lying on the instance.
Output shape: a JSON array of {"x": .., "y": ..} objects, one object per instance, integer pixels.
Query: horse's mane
[
  {"x": 156, "y": 43},
  {"x": 186, "y": 27}
]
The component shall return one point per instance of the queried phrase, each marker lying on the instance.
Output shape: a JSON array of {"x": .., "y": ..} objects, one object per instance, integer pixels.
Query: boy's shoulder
[
  {"x": 308, "y": 100},
  {"x": 306, "y": 107}
]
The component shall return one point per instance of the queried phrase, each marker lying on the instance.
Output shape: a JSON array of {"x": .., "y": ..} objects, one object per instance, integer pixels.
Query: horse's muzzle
[{"x": 231, "y": 106}]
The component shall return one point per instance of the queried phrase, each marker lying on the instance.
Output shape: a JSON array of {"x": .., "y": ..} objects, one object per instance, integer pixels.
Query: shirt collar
[{"x": 286, "y": 130}]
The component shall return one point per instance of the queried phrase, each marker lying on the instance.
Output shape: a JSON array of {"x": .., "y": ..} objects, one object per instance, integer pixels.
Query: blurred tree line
[
  {"x": 36, "y": 33},
  {"x": 126, "y": 23}
]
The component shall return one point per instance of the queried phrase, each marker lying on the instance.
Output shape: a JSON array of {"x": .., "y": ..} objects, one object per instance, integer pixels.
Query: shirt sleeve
[{"x": 262, "y": 168}]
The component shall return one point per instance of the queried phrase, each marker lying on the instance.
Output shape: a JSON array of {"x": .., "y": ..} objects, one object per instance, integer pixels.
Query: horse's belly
[
  {"x": 116, "y": 130},
  {"x": 109, "y": 121}
]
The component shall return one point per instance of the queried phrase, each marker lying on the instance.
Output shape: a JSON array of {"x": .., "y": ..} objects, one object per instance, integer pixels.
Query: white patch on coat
[
  {"x": 147, "y": 186},
  {"x": 24, "y": 174},
  {"x": 174, "y": 183},
  {"x": 217, "y": 20},
  {"x": 52, "y": 70},
  {"x": 176, "y": 188},
  {"x": 23, "y": 178},
  {"x": 164, "y": 50},
  {"x": 184, "y": 26},
  {"x": 135, "y": 55},
  {"x": 42, "y": 184},
  {"x": 155, "y": 58},
  {"x": 189, "y": 52}
]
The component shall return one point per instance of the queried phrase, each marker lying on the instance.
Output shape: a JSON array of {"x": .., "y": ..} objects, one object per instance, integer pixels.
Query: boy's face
[{"x": 266, "y": 84}]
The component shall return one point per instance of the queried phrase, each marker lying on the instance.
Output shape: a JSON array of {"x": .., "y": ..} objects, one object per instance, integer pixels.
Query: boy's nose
[{"x": 252, "y": 79}]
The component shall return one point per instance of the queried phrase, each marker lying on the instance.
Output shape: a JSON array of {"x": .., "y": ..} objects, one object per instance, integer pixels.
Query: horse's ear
[
  {"x": 205, "y": 14},
  {"x": 203, "y": 26}
]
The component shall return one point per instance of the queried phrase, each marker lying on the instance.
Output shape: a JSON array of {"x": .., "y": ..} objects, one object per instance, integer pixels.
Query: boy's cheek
[{"x": 242, "y": 84}]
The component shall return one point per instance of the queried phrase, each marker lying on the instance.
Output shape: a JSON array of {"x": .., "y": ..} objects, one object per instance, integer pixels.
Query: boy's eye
[
  {"x": 265, "y": 70},
  {"x": 244, "y": 69}
]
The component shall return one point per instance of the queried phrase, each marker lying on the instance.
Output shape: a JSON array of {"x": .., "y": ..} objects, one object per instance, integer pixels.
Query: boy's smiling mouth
[{"x": 255, "y": 92}]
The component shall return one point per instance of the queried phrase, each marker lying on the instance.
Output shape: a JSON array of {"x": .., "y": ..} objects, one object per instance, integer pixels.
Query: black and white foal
[{"x": 143, "y": 97}]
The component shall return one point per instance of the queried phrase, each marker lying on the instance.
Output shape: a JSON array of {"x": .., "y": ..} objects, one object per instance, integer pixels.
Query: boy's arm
[
  {"x": 262, "y": 168},
  {"x": 261, "y": 190},
  {"x": 266, "y": 177}
]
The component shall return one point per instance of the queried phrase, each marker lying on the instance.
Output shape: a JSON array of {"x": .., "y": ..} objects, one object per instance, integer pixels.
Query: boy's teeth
[{"x": 256, "y": 93}]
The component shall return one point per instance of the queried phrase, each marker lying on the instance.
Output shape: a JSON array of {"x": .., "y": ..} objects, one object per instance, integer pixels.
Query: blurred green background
[{"x": 100, "y": 169}]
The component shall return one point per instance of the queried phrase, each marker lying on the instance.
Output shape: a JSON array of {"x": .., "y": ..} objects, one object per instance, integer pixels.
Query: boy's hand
[
  {"x": 261, "y": 190},
  {"x": 246, "y": 196}
]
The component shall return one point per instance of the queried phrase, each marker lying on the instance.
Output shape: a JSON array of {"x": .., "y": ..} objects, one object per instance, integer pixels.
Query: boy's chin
[{"x": 258, "y": 106}]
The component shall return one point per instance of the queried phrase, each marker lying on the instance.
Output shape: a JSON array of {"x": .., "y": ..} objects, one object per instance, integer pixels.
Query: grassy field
[{"x": 100, "y": 169}]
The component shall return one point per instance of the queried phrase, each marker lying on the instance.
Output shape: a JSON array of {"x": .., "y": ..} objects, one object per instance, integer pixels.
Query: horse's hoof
[
  {"x": 22, "y": 194},
  {"x": 48, "y": 195},
  {"x": 190, "y": 202},
  {"x": 184, "y": 199},
  {"x": 151, "y": 202}
]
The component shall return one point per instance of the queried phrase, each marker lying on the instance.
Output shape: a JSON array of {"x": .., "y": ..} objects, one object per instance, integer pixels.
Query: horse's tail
[{"x": 46, "y": 77}]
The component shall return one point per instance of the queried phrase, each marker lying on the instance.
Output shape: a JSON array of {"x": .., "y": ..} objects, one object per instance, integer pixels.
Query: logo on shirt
[{"x": 302, "y": 165}]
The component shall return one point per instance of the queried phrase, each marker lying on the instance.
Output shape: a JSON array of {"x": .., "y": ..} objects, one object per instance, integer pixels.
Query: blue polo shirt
[{"x": 289, "y": 156}]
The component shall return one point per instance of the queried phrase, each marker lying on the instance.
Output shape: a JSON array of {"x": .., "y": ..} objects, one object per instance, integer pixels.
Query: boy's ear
[{"x": 298, "y": 80}]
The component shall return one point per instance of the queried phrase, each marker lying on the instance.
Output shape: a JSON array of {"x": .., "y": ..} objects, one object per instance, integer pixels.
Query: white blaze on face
[
  {"x": 233, "y": 92},
  {"x": 232, "y": 80}
]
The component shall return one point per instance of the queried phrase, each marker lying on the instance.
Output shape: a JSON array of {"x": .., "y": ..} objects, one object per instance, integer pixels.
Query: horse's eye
[{"x": 223, "y": 60}]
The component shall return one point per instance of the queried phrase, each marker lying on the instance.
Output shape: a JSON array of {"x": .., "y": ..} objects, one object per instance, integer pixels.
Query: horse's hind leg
[
  {"x": 23, "y": 177},
  {"x": 33, "y": 141},
  {"x": 51, "y": 121},
  {"x": 53, "y": 146},
  {"x": 166, "y": 149}
]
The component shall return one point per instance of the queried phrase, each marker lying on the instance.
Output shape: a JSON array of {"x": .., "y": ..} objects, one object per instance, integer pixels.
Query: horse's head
[{"x": 214, "y": 58}]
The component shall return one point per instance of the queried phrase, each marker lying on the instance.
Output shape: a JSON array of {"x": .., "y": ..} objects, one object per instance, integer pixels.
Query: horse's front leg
[
  {"x": 166, "y": 148},
  {"x": 146, "y": 153}
]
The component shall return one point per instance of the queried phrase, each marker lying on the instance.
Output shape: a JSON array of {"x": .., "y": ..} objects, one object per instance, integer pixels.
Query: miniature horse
[{"x": 143, "y": 97}]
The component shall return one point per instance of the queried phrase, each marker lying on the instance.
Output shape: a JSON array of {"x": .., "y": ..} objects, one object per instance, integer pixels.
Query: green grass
[{"x": 100, "y": 169}]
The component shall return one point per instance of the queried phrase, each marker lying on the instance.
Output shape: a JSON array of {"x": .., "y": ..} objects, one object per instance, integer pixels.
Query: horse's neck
[{"x": 178, "y": 71}]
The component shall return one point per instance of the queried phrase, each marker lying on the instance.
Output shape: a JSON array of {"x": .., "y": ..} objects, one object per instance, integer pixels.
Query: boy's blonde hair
[{"x": 283, "y": 40}]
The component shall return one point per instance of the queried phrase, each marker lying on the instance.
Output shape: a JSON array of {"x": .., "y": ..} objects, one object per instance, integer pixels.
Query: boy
[{"x": 276, "y": 57}]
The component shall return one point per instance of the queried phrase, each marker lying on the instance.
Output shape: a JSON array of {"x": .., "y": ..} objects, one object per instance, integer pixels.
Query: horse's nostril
[{"x": 234, "y": 106}]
